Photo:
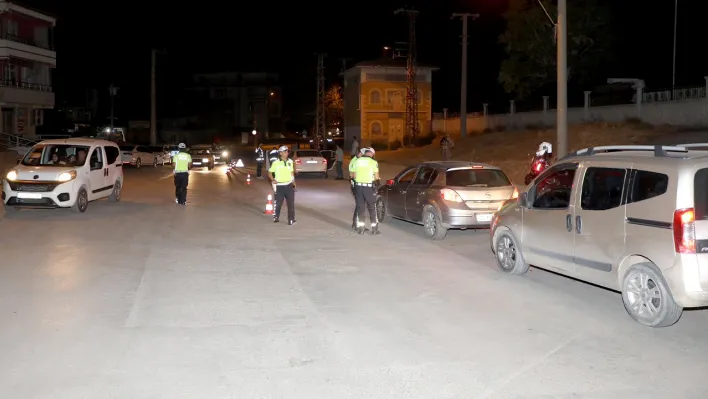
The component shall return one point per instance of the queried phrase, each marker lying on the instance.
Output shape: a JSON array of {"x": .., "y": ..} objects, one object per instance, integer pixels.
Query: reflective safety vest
[
  {"x": 260, "y": 156},
  {"x": 352, "y": 164},
  {"x": 283, "y": 171},
  {"x": 273, "y": 156},
  {"x": 181, "y": 161},
  {"x": 365, "y": 168}
]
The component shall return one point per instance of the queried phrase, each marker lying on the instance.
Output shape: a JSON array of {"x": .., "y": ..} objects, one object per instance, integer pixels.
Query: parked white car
[
  {"x": 138, "y": 155},
  {"x": 162, "y": 153},
  {"x": 310, "y": 161},
  {"x": 65, "y": 174}
]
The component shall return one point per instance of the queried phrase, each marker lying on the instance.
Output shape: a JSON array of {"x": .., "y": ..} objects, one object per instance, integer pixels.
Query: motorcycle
[{"x": 538, "y": 165}]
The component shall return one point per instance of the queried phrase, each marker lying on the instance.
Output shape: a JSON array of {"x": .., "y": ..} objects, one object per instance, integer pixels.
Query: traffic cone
[
  {"x": 248, "y": 179},
  {"x": 269, "y": 205}
]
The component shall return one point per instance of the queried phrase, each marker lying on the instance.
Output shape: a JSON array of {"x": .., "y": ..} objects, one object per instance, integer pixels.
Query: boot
[
  {"x": 375, "y": 230},
  {"x": 360, "y": 230}
]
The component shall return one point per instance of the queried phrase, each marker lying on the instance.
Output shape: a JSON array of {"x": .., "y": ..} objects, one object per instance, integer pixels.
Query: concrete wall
[{"x": 678, "y": 113}]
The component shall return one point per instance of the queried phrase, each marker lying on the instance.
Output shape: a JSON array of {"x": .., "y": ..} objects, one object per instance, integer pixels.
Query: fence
[{"x": 681, "y": 107}]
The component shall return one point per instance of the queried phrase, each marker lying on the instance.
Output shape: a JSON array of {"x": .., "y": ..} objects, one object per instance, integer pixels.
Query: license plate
[
  {"x": 484, "y": 217},
  {"x": 311, "y": 161},
  {"x": 196, "y": 163},
  {"x": 29, "y": 195}
]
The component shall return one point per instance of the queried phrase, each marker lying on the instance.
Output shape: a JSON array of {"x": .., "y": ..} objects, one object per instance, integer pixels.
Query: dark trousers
[
  {"x": 340, "y": 171},
  {"x": 181, "y": 182},
  {"x": 366, "y": 200},
  {"x": 286, "y": 193},
  {"x": 355, "y": 218},
  {"x": 259, "y": 168}
]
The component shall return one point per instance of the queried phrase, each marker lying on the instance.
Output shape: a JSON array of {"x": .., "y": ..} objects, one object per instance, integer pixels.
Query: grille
[{"x": 33, "y": 187}]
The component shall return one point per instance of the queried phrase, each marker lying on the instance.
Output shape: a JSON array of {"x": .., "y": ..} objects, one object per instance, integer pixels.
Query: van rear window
[{"x": 700, "y": 194}]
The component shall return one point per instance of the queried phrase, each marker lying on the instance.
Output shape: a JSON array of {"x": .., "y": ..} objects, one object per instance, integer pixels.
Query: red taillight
[
  {"x": 324, "y": 161},
  {"x": 538, "y": 166},
  {"x": 450, "y": 195},
  {"x": 298, "y": 162},
  {"x": 685, "y": 231},
  {"x": 389, "y": 182}
]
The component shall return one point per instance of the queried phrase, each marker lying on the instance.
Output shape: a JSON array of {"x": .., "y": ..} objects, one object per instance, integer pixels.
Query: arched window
[
  {"x": 376, "y": 129},
  {"x": 375, "y": 96}
]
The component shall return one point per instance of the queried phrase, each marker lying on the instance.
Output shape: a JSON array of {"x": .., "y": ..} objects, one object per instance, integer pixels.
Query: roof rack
[{"x": 659, "y": 150}]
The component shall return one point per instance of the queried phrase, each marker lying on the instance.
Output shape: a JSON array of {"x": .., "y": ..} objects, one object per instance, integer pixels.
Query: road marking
[{"x": 166, "y": 176}]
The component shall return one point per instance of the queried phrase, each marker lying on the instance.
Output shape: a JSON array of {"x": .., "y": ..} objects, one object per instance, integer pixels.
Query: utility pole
[
  {"x": 673, "y": 70},
  {"x": 562, "y": 80},
  {"x": 153, "y": 100},
  {"x": 113, "y": 91},
  {"x": 411, "y": 69},
  {"x": 463, "y": 79},
  {"x": 320, "y": 125},
  {"x": 344, "y": 63}
]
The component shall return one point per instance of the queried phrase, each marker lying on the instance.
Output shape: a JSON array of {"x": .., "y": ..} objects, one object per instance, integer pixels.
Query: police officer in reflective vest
[
  {"x": 260, "y": 158},
  {"x": 366, "y": 171},
  {"x": 282, "y": 173},
  {"x": 352, "y": 165},
  {"x": 182, "y": 162}
]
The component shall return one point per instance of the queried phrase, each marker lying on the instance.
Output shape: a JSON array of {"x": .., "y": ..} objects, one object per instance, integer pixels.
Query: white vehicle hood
[{"x": 43, "y": 173}]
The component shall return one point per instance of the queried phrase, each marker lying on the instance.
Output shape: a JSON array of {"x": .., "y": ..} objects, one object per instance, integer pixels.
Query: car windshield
[
  {"x": 127, "y": 148},
  {"x": 476, "y": 178},
  {"x": 56, "y": 155},
  {"x": 199, "y": 152},
  {"x": 311, "y": 153}
]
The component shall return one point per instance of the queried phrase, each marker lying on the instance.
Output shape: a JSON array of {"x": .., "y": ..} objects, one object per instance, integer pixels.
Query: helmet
[
  {"x": 283, "y": 148},
  {"x": 182, "y": 146},
  {"x": 544, "y": 148},
  {"x": 368, "y": 149}
]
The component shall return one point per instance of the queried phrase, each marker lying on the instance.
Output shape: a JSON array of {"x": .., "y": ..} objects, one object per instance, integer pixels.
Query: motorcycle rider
[{"x": 545, "y": 151}]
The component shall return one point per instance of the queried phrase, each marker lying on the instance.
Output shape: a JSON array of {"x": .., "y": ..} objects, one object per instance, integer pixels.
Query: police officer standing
[
  {"x": 182, "y": 162},
  {"x": 366, "y": 171},
  {"x": 282, "y": 173},
  {"x": 352, "y": 165},
  {"x": 260, "y": 158}
]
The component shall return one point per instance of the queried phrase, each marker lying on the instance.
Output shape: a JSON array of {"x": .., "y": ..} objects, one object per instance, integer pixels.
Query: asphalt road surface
[{"x": 147, "y": 299}]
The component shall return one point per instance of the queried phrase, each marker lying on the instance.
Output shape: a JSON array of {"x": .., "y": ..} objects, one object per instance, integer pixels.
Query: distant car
[
  {"x": 162, "y": 153},
  {"x": 137, "y": 155},
  {"x": 445, "y": 195},
  {"x": 310, "y": 161},
  {"x": 202, "y": 158}
]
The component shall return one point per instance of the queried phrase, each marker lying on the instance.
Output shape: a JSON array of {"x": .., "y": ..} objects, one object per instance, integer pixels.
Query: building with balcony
[
  {"x": 27, "y": 58},
  {"x": 375, "y": 100}
]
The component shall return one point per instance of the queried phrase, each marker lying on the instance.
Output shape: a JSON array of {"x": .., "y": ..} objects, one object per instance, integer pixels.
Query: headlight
[
  {"x": 67, "y": 176},
  {"x": 225, "y": 154},
  {"x": 11, "y": 175}
]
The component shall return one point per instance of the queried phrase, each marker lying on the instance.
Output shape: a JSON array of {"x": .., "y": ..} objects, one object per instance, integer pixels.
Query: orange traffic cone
[
  {"x": 248, "y": 179},
  {"x": 269, "y": 205}
]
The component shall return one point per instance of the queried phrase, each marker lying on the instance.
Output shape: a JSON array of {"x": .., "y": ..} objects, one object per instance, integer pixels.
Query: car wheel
[
  {"x": 11, "y": 209},
  {"x": 508, "y": 254},
  {"x": 117, "y": 191},
  {"x": 138, "y": 163},
  {"x": 432, "y": 225},
  {"x": 325, "y": 175},
  {"x": 647, "y": 298},
  {"x": 381, "y": 211},
  {"x": 81, "y": 201}
]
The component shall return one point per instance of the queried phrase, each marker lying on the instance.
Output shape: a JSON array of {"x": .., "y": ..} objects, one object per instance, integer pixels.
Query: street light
[{"x": 254, "y": 132}]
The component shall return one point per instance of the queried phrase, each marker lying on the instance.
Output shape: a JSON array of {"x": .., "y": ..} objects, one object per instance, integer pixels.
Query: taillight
[
  {"x": 450, "y": 195},
  {"x": 389, "y": 182},
  {"x": 538, "y": 166},
  {"x": 298, "y": 162},
  {"x": 685, "y": 231},
  {"x": 515, "y": 194},
  {"x": 324, "y": 161}
]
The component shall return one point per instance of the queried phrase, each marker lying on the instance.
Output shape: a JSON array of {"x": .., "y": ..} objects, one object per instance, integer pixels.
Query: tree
[
  {"x": 334, "y": 105},
  {"x": 530, "y": 44}
]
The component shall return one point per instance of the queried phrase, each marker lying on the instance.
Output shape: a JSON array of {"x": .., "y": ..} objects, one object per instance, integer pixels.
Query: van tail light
[
  {"x": 515, "y": 194},
  {"x": 685, "y": 231},
  {"x": 389, "y": 182},
  {"x": 298, "y": 162},
  {"x": 539, "y": 165},
  {"x": 450, "y": 195}
]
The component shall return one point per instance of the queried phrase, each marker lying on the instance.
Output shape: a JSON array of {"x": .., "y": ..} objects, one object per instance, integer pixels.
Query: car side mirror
[{"x": 523, "y": 199}]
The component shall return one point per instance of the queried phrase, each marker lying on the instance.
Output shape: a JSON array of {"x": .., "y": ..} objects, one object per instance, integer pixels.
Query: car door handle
[
  {"x": 569, "y": 222},
  {"x": 578, "y": 224}
]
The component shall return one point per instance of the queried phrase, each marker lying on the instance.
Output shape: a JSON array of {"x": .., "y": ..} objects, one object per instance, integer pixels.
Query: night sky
[{"x": 99, "y": 42}]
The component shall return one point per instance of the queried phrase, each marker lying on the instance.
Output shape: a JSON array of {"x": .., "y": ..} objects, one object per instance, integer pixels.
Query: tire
[
  {"x": 432, "y": 225},
  {"x": 116, "y": 193},
  {"x": 138, "y": 163},
  {"x": 11, "y": 209},
  {"x": 508, "y": 254},
  {"x": 640, "y": 283},
  {"x": 325, "y": 175},
  {"x": 154, "y": 162},
  {"x": 81, "y": 201},
  {"x": 381, "y": 212}
]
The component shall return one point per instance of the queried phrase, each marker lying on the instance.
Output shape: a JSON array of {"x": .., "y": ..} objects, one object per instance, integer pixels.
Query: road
[{"x": 147, "y": 299}]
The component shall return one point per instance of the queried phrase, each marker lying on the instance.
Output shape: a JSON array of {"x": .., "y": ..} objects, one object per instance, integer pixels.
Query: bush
[
  {"x": 406, "y": 140},
  {"x": 395, "y": 144},
  {"x": 422, "y": 141},
  {"x": 379, "y": 145}
]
